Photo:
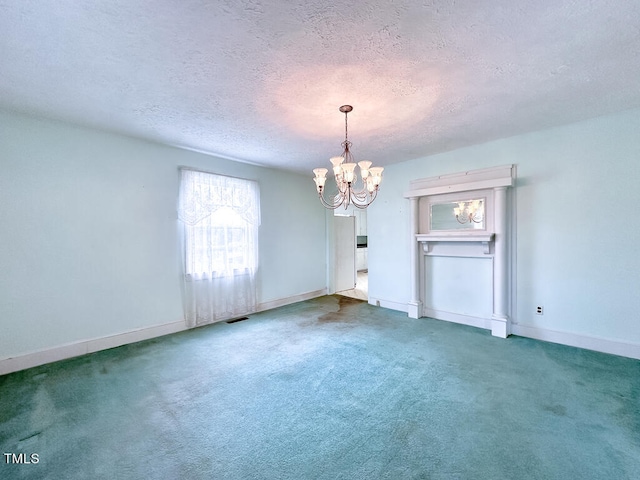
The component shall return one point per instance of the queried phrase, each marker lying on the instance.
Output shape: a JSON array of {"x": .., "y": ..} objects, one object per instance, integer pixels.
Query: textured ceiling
[{"x": 261, "y": 81}]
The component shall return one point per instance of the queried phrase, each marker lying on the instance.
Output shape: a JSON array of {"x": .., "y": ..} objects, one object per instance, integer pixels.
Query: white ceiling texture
[{"x": 261, "y": 81}]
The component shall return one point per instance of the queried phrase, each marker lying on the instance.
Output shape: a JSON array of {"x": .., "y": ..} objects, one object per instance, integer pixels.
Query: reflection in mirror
[{"x": 458, "y": 215}]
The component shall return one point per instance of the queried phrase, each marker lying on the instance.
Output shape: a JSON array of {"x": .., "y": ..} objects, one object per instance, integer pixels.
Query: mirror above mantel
[
  {"x": 469, "y": 213},
  {"x": 456, "y": 216}
]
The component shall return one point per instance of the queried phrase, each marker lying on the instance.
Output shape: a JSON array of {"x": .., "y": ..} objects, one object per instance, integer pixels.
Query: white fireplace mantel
[{"x": 495, "y": 181}]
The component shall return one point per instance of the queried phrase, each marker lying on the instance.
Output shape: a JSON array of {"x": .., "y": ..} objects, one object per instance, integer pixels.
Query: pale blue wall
[
  {"x": 88, "y": 233},
  {"x": 577, "y": 248},
  {"x": 88, "y": 243}
]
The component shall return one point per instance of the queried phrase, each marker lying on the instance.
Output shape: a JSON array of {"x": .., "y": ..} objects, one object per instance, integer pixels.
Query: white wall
[
  {"x": 88, "y": 234},
  {"x": 577, "y": 248}
]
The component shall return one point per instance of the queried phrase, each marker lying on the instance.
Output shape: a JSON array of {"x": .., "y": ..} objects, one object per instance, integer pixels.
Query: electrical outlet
[{"x": 539, "y": 310}]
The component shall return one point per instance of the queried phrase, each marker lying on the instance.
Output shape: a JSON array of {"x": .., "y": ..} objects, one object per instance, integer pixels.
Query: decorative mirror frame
[
  {"x": 458, "y": 215},
  {"x": 426, "y": 204}
]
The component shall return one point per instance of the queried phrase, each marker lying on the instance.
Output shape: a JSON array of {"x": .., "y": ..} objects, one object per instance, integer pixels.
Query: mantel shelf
[
  {"x": 455, "y": 237},
  {"x": 484, "y": 238}
]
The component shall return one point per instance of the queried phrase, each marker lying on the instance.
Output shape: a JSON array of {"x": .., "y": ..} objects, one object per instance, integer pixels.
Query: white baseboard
[
  {"x": 378, "y": 302},
  {"x": 62, "y": 352},
  {"x": 604, "y": 345},
  {"x": 34, "y": 359},
  {"x": 70, "y": 350},
  {"x": 281, "y": 302},
  {"x": 470, "y": 320}
]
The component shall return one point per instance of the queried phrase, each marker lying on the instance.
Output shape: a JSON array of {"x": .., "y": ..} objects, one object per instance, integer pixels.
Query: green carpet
[{"x": 331, "y": 388}]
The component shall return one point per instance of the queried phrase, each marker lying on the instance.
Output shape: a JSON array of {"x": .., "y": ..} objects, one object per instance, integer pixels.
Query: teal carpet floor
[{"x": 330, "y": 388}]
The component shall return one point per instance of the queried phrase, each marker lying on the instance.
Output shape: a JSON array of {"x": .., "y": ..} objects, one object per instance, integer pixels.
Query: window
[
  {"x": 221, "y": 217},
  {"x": 218, "y": 245}
]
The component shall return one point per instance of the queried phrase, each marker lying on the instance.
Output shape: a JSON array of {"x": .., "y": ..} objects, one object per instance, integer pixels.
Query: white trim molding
[
  {"x": 481, "y": 179},
  {"x": 76, "y": 349},
  {"x": 469, "y": 320},
  {"x": 391, "y": 305},
  {"x": 598, "y": 344},
  {"x": 281, "y": 302}
]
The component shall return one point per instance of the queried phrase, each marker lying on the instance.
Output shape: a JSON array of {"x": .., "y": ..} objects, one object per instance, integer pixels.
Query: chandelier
[
  {"x": 344, "y": 171},
  {"x": 468, "y": 212}
]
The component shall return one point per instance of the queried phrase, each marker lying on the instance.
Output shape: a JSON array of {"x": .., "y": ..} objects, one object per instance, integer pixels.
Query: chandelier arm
[
  {"x": 362, "y": 191},
  {"x": 331, "y": 206},
  {"x": 348, "y": 196},
  {"x": 360, "y": 196},
  {"x": 371, "y": 198},
  {"x": 363, "y": 205}
]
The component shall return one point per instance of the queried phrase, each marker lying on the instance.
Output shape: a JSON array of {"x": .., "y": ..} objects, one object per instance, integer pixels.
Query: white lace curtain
[{"x": 220, "y": 216}]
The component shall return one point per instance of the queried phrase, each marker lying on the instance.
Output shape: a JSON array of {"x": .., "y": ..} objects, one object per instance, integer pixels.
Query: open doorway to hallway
[{"x": 357, "y": 245}]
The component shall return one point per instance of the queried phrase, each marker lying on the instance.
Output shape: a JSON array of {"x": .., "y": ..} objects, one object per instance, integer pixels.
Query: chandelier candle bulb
[
  {"x": 364, "y": 169},
  {"x": 320, "y": 172},
  {"x": 344, "y": 171},
  {"x": 349, "y": 172},
  {"x": 321, "y": 178},
  {"x": 336, "y": 161},
  {"x": 370, "y": 186},
  {"x": 376, "y": 173}
]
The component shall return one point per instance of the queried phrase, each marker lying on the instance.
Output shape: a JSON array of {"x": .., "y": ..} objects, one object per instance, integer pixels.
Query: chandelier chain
[{"x": 346, "y": 136}]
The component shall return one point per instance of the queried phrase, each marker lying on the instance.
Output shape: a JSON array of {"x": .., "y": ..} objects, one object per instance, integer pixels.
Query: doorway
[{"x": 351, "y": 239}]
